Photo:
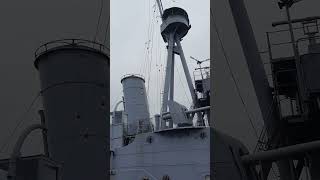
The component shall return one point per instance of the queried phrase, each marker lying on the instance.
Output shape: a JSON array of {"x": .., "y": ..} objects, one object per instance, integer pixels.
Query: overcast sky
[{"x": 135, "y": 28}]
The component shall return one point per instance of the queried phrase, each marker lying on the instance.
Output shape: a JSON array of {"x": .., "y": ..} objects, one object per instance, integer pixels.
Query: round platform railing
[
  {"x": 133, "y": 75},
  {"x": 71, "y": 42}
]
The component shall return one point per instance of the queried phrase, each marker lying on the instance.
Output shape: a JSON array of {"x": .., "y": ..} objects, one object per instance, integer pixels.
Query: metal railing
[
  {"x": 71, "y": 42},
  {"x": 130, "y": 75},
  {"x": 287, "y": 44}
]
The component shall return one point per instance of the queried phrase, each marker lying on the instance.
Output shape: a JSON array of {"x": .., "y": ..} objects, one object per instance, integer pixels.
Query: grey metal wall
[
  {"x": 311, "y": 64},
  {"x": 75, "y": 90},
  {"x": 181, "y": 154}
]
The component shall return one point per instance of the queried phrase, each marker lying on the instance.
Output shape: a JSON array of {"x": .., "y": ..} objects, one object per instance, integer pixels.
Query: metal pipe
[
  {"x": 189, "y": 81},
  {"x": 194, "y": 110},
  {"x": 171, "y": 97},
  {"x": 199, "y": 109},
  {"x": 186, "y": 71},
  {"x": 160, "y": 7},
  {"x": 275, "y": 24},
  {"x": 281, "y": 153},
  {"x": 116, "y": 106},
  {"x": 168, "y": 73},
  {"x": 44, "y": 133},
  {"x": 254, "y": 62},
  {"x": 114, "y": 111},
  {"x": 206, "y": 108},
  {"x": 301, "y": 90},
  {"x": 16, "y": 150}
]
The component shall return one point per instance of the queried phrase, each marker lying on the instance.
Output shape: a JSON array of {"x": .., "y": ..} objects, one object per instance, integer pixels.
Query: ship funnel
[
  {"x": 74, "y": 79},
  {"x": 136, "y": 104}
]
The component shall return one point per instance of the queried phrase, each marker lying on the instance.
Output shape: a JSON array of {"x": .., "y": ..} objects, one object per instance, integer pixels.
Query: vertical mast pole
[
  {"x": 168, "y": 74},
  {"x": 172, "y": 79},
  {"x": 160, "y": 7},
  {"x": 189, "y": 81}
]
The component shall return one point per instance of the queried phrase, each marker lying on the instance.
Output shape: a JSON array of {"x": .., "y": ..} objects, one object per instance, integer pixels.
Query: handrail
[
  {"x": 56, "y": 43},
  {"x": 295, "y": 28},
  {"x": 130, "y": 75},
  {"x": 16, "y": 150},
  {"x": 272, "y": 45},
  {"x": 281, "y": 153}
]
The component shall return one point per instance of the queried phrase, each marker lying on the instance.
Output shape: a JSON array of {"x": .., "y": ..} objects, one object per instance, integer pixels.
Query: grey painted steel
[
  {"x": 157, "y": 122},
  {"x": 44, "y": 133},
  {"x": 178, "y": 115},
  {"x": 136, "y": 104},
  {"x": 174, "y": 27},
  {"x": 186, "y": 72},
  {"x": 178, "y": 153},
  {"x": 254, "y": 62},
  {"x": 202, "y": 109},
  {"x": 174, "y": 20},
  {"x": 116, "y": 135},
  {"x": 310, "y": 64},
  {"x": 299, "y": 74},
  {"x": 117, "y": 105},
  {"x": 189, "y": 81},
  {"x": 117, "y": 130},
  {"x": 165, "y": 94},
  {"x": 17, "y": 148},
  {"x": 282, "y": 153},
  {"x": 295, "y": 21},
  {"x": 225, "y": 158},
  {"x": 172, "y": 80},
  {"x": 38, "y": 167},
  {"x": 257, "y": 74},
  {"x": 75, "y": 89},
  {"x": 118, "y": 117},
  {"x": 310, "y": 67},
  {"x": 193, "y": 110},
  {"x": 160, "y": 7}
]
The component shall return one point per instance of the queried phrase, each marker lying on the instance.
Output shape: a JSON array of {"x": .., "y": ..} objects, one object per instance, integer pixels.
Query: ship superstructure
[
  {"x": 179, "y": 142},
  {"x": 175, "y": 146}
]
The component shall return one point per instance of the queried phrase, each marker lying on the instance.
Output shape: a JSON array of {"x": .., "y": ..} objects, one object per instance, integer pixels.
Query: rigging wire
[
  {"x": 107, "y": 31},
  {"x": 232, "y": 75},
  {"x": 22, "y": 118},
  {"x": 183, "y": 87},
  {"x": 157, "y": 72},
  {"x": 151, "y": 51},
  {"x": 160, "y": 75},
  {"x": 147, "y": 44},
  {"x": 99, "y": 19}
]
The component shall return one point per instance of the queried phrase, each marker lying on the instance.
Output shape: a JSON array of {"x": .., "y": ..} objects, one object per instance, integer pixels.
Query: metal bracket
[{"x": 176, "y": 50}]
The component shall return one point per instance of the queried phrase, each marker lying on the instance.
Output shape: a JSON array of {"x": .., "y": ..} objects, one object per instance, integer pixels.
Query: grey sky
[{"x": 129, "y": 33}]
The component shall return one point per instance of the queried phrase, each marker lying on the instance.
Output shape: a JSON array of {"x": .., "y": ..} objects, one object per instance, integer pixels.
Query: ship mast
[
  {"x": 160, "y": 7},
  {"x": 175, "y": 25}
]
